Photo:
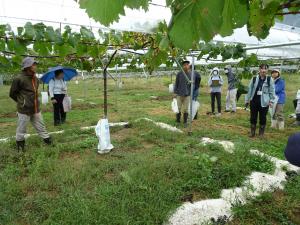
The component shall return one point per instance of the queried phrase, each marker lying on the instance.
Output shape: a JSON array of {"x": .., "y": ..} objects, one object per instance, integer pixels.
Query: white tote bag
[
  {"x": 196, "y": 106},
  {"x": 174, "y": 106},
  {"x": 103, "y": 134},
  {"x": 67, "y": 103},
  {"x": 45, "y": 98},
  {"x": 171, "y": 88}
]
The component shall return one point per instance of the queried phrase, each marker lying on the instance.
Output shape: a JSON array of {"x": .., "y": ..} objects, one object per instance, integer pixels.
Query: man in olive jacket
[{"x": 24, "y": 91}]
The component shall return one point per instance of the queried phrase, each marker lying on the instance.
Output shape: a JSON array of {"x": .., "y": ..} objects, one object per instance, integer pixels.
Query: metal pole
[
  {"x": 273, "y": 45},
  {"x": 192, "y": 92},
  {"x": 105, "y": 92}
]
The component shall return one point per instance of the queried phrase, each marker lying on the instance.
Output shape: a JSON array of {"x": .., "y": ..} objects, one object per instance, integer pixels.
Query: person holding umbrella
[
  {"x": 57, "y": 92},
  {"x": 260, "y": 96},
  {"x": 56, "y": 78},
  {"x": 24, "y": 91}
]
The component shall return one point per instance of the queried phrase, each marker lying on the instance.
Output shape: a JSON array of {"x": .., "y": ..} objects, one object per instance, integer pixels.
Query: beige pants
[
  {"x": 231, "y": 99},
  {"x": 36, "y": 121},
  {"x": 279, "y": 116},
  {"x": 183, "y": 103}
]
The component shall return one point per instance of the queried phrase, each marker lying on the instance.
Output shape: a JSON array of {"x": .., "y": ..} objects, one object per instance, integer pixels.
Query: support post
[
  {"x": 105, "y": 92},
  {"x": 192, "y": 93}
]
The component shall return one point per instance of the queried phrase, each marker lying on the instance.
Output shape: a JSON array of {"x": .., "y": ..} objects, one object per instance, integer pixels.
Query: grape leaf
[
  {"x": 50, "y": 34},
  {"x": 29, "y": 31},
  {"x": 197, "y": 19},
  {"x": 235, "y": 15},
  {"x": 2, "y": 45},
  {"x": 106, "y": 11},
  {"x": 261, "y": 20}
]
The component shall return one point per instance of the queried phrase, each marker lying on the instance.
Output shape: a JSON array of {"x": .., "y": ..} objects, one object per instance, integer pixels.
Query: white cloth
[
  {"x": 57, "y": 87},
  {"x": 231, "y": 99}
]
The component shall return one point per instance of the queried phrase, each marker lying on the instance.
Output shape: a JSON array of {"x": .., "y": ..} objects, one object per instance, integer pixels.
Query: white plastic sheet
[
  {"x": 103, "y": 134},
  {"x": 174, "y": 106},
  {"x": 45, "y": 98}
]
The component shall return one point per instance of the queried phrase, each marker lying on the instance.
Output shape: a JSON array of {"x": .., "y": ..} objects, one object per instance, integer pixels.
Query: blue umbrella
[{"x": 69, "y": 73}]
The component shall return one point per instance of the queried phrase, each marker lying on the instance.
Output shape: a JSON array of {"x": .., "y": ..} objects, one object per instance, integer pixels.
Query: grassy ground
[{"x": 149, "y": 173}]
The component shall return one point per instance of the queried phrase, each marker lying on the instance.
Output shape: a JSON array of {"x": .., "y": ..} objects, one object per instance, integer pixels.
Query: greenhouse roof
[{"x": 68, "y": 12}]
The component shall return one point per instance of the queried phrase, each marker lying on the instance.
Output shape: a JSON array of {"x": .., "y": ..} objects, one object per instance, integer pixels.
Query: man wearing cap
[
  {"x": 260, "y": 96},
  {"x": 278, "y": 117},
  {"x": 24, "y": 91},
  {"x": 232, "y": 90},
  {"x": 182, "y": 91}
]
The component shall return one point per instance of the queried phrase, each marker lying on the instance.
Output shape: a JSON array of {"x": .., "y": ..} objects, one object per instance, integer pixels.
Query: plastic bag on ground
[
  {"x": 174, "y": 106},
  {"x": 171, "y": 88},
  {"x": 103, "y": 134},
  {"x": 67, "y": 103},
  {"x": 45, "y": 98}
]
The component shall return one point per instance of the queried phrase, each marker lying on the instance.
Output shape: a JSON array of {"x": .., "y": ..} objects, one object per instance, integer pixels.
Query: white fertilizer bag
[
  {"x": 174, "y": 106},
  {"x": 171, "y": 88},
  {"x": 45, "y": 99},
  {"x": 196, "y": 106},
  {"x": 103, "y": 134}
]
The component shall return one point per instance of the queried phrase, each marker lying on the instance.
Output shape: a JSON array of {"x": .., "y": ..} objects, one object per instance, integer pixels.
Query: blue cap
[{"x": 292, "y": 150}]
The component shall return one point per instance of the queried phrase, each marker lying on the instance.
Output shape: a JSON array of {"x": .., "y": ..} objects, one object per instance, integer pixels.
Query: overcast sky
[{"x": 68, "y": 11}]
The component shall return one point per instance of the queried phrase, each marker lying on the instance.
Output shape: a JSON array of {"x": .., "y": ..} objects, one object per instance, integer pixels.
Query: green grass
[{"x": 144, "y": 179}]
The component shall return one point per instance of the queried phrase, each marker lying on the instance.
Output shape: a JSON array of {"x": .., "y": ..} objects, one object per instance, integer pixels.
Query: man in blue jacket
[
  {"x": 278, "y": 118},
  {"x": 260, "y": 96}
]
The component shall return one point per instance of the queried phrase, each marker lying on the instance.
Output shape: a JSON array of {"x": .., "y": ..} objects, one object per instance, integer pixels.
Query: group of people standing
[
  {"x": 24, "y": 91},
  {"x": 263, "y": 92}
]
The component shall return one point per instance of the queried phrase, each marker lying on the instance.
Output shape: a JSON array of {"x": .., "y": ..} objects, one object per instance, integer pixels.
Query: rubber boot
[
  {"x": 178, "y": 116},
  {"x": 262, "y": 130},
  {"x": 48, "y": 141},
  {"x": 281, "y": 125},
  {"x": 185, "y": 118},
  {"x": 20, "y": 145},
  {"x": 274, "y": 124},
  {"x": 253, "y": 130}
]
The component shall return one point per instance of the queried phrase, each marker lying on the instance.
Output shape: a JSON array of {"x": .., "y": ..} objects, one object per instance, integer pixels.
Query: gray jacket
[
  {"x": 231, "y": 79},
  {"x": 182, "y": 85}
]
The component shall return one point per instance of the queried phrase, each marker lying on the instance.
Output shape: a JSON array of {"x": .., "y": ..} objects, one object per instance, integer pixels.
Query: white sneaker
[{"x": 218, "y": 114}]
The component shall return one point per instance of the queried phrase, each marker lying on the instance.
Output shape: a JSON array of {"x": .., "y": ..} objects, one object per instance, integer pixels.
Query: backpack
[{"x": 268, "y": 81}]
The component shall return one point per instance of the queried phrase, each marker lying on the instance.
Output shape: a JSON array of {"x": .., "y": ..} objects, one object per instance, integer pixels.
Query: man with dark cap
[
  {"x": 182, "y": 91},
  {"x": 24, "y": 91},
  {"x": 292, "y": 150},
  {"x": 260, "y": 96}
]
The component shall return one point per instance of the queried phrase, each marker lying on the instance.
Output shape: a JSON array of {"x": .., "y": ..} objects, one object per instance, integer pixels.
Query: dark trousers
[
  {"x": 255, "y": 110},
  {"x": 58, "y": 108},
  {"x": 215, "y": 95}
]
